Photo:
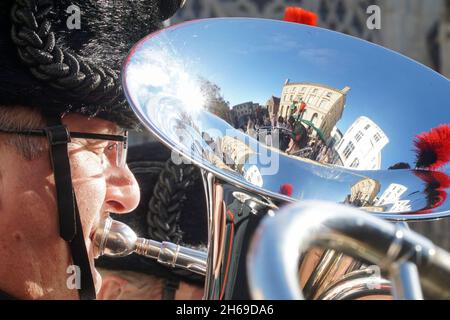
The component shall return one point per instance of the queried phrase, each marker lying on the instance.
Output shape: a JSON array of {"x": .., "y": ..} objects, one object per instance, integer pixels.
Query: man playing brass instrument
[{"x": 62, "y": 139}]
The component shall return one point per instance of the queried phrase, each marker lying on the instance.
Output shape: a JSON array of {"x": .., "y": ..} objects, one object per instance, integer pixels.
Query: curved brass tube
[
  {"x": 280, "y": 241},
  {"x": 358, "y": 284}
]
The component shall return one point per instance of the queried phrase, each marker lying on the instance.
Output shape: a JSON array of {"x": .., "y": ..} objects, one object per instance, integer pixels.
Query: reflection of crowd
[
  {"x": 290, "y": 135},
  {"x": 321, "y": 152},
  {"x": 293, "y": 136}
]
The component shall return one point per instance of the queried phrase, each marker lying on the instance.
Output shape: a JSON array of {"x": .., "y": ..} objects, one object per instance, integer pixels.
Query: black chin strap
[
  {"x": 170, "y": 289},
  {"x": 69, "y": 217}
]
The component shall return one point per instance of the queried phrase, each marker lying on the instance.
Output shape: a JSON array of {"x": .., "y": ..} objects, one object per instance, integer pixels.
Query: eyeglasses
[{"x": 115, "y": 151}]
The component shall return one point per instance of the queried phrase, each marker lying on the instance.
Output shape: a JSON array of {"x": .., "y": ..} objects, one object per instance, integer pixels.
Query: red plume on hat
[
  {"x": 433, "y": 148},
  {"x": 299, "y": 15}
]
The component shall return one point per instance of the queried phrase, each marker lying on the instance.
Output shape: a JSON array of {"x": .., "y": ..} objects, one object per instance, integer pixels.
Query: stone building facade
[
  {"x": 324, "y": 105},
  {"x": 273, "y": 105}
]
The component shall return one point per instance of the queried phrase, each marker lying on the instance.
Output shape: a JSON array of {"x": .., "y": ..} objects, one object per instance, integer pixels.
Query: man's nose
[{"x": 122, "y": 190}]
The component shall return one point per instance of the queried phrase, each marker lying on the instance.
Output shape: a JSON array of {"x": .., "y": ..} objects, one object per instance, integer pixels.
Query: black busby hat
[{"x": 49, "y": 63}]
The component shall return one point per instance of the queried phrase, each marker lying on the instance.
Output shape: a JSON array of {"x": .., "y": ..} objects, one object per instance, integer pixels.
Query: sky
[{"x": 250, "y": 60}]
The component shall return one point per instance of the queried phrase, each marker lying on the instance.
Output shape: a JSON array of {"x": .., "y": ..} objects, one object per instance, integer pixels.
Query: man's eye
[
  {"x": 112, "y": 146},
  {"x": 111, "y": 151}
]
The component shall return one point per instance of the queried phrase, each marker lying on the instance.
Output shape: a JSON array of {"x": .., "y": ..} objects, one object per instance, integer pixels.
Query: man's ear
[{"x": 112, "y": 287}]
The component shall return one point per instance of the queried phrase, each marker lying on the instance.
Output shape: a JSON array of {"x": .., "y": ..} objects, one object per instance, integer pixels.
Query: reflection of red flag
[
  {"x": 299, "y": 15},
  {"x": 433, "y": 148},
  {"x": 303, "y": 106}
]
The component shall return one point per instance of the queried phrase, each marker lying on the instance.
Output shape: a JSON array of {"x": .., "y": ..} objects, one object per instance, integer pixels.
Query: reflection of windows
[
  {"x": 377, "y": 137},
  {"x": 285, "y": 97},
  {"x": 323, "y": 104},
  {"x": 313, "y": 100},
  {"x": 315, "y": 90},
  {"x": 349, "y": 149},
  {"x": 292, "y": 97},
  {"x": 367, "y": 127},
  {"x": 355, "y": 163},
  {"x": 303, "y": 89},
  {"x": 359, "y": 136},
  {"x": 329, "y": 94},
  {"x": 314, "y": 119}
]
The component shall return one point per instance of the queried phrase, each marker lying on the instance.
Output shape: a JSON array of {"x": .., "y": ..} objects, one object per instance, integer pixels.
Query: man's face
[{"x": 38, "y": 258}]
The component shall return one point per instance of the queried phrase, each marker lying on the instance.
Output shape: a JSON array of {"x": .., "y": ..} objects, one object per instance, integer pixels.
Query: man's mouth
[
  {"x": 96, "y": 236},
  {"x": 94, "y": 245}
]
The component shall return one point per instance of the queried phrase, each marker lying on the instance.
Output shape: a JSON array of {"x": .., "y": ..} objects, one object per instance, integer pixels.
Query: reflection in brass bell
[{"x": 327, "y": 114}]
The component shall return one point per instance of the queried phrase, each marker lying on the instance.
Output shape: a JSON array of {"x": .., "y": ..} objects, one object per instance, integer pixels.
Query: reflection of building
[
  {"x": 245, "y": 109},
  {"x": 336, "y": 137},
  {"x": 235, "y": 152},
  {"x": 221, "y": 110},
  {"x": 273, "y": 105},
  {"x": 324, "y": 105},
  {"x": 392, "y": 194},
  {"x": 242, "y": 112},
  {"x": 361, "y": 146},
  {"x": 401, "y": 206},
  {"x": 391, "y": 197},
  {"x": 363, "y": 192}
]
